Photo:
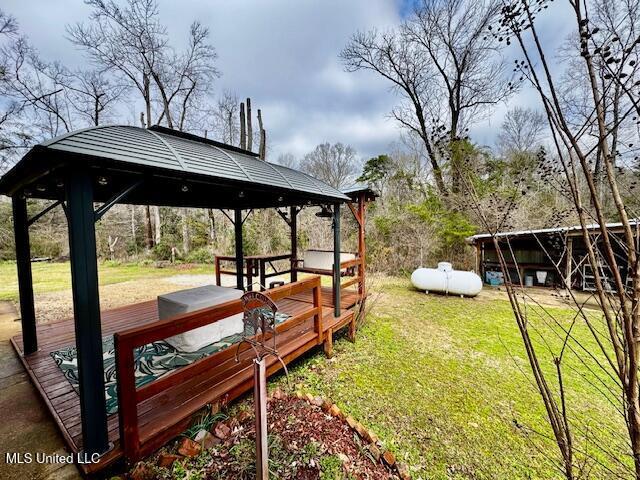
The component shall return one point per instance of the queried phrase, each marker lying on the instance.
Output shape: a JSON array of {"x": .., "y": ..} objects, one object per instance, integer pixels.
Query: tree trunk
[
  {"x": 133, "y": 228},
  {"x": 243, "y": 126},
  {"x": 212, "y": 226},
  {"x": 262, "y": 150},
  {"x": 158, "y": 224},
  {"x": 437, "y": 174},
  {"x": 148, "y": 231},
  {"x": 147, "y": 99},
  {"x": 249, "y": 127},
  {"x": 186, "y": 238},
  {"x": 165, "y": 100},
  {"x": 96, "y": 111}
]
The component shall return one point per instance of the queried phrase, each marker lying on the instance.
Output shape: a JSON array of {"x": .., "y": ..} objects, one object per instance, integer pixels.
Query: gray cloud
[{"x": 284, "y": 55}]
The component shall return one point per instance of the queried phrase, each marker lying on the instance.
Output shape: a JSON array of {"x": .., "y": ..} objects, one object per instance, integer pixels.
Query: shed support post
[
  {"x": 569, "y": 264},
  {"x": 237, "y": 222},
  {"x": 25, "y": 280},
  {"x": 336, "y": 260},
  {"x": 86, "y": 308},
  {"x": 293, "y": 213}
]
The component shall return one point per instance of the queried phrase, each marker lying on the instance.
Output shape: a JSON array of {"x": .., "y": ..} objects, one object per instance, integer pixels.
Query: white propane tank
[{"x": 445, "y": 279}]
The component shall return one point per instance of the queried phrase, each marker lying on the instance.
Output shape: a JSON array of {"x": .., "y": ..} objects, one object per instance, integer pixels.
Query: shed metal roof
[
  {"x": 187, "y": 156},
  {"x": 572, "y": 230}
]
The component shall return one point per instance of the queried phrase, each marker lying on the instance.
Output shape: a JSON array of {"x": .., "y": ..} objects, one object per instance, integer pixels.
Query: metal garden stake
[{"x": 260, "y": 321}]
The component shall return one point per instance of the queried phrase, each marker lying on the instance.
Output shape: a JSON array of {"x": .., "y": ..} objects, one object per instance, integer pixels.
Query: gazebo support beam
[
  {"x": 86, "y": 308},
  {"x": 293, "y": 213},
  {"x": 336, "y": 260},
  {"x": 25, "y": 280},
  {"x": 237, "y": 223},
  {"x": 38, "y": 216},
  {"x": 362, "y": 245}
]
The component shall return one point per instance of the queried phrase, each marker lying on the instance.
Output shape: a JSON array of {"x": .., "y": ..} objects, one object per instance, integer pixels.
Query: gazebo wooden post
[
  {"x": 86, "y": 308},
  {"x": 362, "y": 206},
  {"x": 336, "y": 260},
  {"x": 293, "y": 214},
  {"x": 237, "y": 223},
  {"x": 25, "y": 280}
]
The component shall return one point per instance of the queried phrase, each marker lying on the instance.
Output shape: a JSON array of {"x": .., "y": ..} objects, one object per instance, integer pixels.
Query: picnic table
[{"x": 255, "y": 267}]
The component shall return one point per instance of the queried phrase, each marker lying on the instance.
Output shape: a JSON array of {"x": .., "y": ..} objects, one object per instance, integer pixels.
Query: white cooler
[{"x": 177, "y": 303}]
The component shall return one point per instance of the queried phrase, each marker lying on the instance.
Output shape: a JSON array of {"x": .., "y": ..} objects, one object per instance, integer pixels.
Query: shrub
[
  {"x": 42, "y": 246},
  {"x": 162, "y": 251},
  {"x": 200, "y": 255}
]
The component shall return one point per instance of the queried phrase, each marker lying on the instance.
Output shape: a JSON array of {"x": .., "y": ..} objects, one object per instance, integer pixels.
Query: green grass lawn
[
  {"x": 51, "y": 277},
  {"x": 445, "y": 383}
]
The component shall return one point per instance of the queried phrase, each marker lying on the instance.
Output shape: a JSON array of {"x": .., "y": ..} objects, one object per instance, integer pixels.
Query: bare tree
[
  {"x": 186, "y": 78},
  {"x": 129, "y": 41},
  {"x": 444, "y": 66},
  {"x": 287, "y": 159},
  {"x": 521, "y": 130},
  {"x": 93, "y": 95},
  {"x": 8, "y": 24},
  {"x": 132, "y": 41},
  {"x": 225, "y": 118},
  {"x": 606, "y": 38},
  {"x": 11, "y": 126},
  {"x": 35, "y": 92},
  {"x": 335, "y": 164}
]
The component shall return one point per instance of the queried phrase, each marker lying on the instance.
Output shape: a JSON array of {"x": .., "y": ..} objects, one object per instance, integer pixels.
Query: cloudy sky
[{"x": 284, "y": 55}]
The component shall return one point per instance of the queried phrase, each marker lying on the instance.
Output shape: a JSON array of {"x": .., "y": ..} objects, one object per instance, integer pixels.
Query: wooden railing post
[
  {"x": 127, "y": 400},
  {"x": 294, "y": 243},
  {"x": 317, "y": 303},
  {"x": 336, "y": 260},
  {"x": 218, "y": 276},
  {"x": 263, "y": 275}
]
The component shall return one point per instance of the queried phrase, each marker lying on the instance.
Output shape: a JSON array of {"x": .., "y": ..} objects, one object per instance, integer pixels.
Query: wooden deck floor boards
[{"x": 229, "y": 376}]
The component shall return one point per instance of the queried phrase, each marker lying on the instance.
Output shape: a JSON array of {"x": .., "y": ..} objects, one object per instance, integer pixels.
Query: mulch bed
[{"x": 305, "y": 442}]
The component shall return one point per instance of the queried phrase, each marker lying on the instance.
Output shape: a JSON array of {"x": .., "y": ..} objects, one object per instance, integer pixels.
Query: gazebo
[{"x": 87, "y": 172}]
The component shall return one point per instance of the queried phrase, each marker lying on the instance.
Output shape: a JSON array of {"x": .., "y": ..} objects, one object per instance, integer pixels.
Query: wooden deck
[{"x": 159, "y": 415}]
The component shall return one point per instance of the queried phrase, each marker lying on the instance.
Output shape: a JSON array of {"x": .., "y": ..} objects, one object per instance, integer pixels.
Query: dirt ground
[
  {"x": 544, "y": 296},
  {"x": 56, "y": 306},
  {"x": 305, "y": 443}
]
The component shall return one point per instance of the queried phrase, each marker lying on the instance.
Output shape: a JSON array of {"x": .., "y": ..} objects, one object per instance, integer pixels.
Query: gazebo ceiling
[{"x": 168, "y": 167}]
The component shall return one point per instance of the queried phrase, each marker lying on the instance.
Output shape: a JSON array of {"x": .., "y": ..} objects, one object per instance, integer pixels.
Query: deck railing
[
  {"x": 359, "y": 275},
  {"x": 351, "y": 269},
  {"x": 129, "y": 397}
]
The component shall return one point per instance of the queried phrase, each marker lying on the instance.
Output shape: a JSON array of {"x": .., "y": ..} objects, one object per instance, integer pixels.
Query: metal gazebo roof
[
  {"x": 173, "y": 168},
  {"x": 360, "y": 188}
]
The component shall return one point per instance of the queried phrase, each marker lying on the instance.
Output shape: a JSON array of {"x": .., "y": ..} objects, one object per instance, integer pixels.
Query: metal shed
[{"x": 559, "y": 252}]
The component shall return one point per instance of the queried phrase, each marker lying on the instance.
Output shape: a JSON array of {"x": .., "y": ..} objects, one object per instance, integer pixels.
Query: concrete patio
[{"x": 25, "y": 425}]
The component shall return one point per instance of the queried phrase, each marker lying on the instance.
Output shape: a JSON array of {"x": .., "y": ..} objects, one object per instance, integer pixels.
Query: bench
[{"x": 320, "y": 262}]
